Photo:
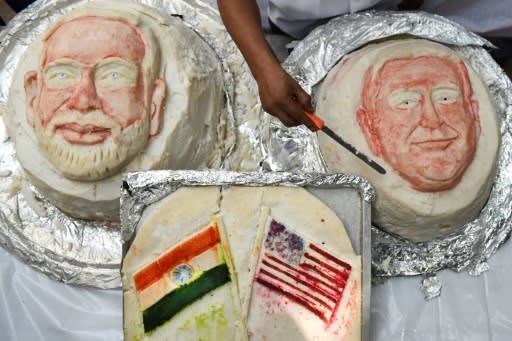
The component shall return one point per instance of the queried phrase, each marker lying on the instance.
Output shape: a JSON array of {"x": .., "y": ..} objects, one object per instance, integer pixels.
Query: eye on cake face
[
  {"x": 418, "y": 115},
  {"x": 87, "y": 100}
]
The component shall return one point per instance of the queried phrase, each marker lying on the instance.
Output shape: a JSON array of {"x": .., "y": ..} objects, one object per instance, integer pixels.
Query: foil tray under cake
[
  {"x": 84, "y": 252},
  {"x": 348, "y": 196}
]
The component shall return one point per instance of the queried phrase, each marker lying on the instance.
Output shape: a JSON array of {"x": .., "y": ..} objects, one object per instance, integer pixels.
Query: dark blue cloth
[{"x": 18, "y": 5}]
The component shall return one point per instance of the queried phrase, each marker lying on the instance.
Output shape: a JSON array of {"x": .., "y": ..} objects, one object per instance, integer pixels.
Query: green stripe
[{"x": 169, "y": 305}]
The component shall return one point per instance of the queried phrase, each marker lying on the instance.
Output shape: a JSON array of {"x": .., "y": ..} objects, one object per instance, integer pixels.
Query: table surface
[{"x": 34, "y": 307}]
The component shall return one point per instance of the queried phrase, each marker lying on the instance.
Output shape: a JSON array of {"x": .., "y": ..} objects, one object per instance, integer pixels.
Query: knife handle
[{"x": 317, "y": 121}]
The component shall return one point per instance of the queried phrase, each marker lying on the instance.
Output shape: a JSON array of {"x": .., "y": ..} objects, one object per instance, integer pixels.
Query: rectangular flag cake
[{"x": 237, "y": 263}]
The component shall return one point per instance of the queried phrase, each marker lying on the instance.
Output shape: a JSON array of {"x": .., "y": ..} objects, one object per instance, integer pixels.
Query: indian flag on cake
[{"x": 182, "y": 277}]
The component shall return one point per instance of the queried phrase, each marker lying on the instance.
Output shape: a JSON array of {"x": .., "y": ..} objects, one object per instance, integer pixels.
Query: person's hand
[{"x": 281, "y": 96}]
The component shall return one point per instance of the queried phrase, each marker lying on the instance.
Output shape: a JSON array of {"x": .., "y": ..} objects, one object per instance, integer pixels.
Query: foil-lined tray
[
  {"x": 89, "y": 253},
  {"x": 348, "y": 196},
  {"x": 297, "y": 148}
]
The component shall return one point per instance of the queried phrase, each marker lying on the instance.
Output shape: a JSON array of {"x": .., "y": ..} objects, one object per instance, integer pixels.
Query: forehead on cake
[
  {"x": 109, "y": 37},
  {"x": 423, "y": 70}
]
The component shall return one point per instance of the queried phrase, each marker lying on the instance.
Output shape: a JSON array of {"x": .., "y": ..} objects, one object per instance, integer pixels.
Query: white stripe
[
  {"x": 303, "y": 287},
  {"x": 322, "y": 258},
  {"x": 155, "y": 291},
  {"x": 327, "y": 311},
  {"x": 323, "y": 285},
  {"x": 165, "y": 284}
]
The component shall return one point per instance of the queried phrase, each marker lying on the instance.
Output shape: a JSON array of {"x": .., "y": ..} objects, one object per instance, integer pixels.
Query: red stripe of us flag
[{"x": 305, "y": 273}]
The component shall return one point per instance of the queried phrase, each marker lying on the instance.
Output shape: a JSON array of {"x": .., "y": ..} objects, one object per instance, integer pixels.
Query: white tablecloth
[{"x": 34, "y": 307}]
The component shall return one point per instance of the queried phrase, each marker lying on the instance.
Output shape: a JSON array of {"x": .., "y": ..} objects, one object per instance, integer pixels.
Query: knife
[{"x": 319, "y": 123}]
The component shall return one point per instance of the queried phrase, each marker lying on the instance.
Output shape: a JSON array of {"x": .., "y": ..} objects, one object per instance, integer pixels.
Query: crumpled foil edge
[{"x": 141, "y": 189}]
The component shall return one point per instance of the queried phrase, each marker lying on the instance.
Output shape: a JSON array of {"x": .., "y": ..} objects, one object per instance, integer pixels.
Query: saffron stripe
[
  {"x": 172, "y": 303},
  {"x": 312, "y": 278},
  {"x": 307, "y": 294},
  {"x": 302, "y": 301},
  {"x": 183, "y": 252},
  {"x": 330, "y": 257},
  {"x": 310, "y": 286}
]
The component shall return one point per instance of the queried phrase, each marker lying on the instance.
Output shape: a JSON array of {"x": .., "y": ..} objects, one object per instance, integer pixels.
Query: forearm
[
  {"x": 280, "y": 94},
  {"x": 242, "y": 20}
]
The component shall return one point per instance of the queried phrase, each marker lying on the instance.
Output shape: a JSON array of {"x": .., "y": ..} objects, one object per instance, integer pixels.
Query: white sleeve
[
  {"x": 298, "y": 17},
  {"x": 491, "y": 18}
]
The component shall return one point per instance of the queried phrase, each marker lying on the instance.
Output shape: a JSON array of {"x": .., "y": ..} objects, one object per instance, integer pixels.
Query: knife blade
[{"x": 319, "y": 123}]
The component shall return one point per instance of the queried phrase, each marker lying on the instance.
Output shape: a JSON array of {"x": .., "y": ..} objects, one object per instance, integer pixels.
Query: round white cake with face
[
  {"x": 422, "y": 113},
  {"x": 110, "y": 89}
]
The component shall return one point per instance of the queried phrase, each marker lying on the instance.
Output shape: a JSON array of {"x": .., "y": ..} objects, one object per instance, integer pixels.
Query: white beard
[{"x": 91, "y": 162}]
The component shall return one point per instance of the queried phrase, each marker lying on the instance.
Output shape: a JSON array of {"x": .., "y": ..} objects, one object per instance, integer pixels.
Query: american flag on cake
[{"x": 302, "y": 271}]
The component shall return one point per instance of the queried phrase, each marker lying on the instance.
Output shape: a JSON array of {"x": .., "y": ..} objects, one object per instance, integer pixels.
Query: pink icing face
[
  {"x": 90, "y": 92},
  {"x": 89, "y": 69},
  {"x": 418, "y": 115}
]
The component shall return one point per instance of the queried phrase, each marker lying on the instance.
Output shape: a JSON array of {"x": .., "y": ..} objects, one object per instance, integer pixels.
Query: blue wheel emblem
[{"x": 182, "y": 273}]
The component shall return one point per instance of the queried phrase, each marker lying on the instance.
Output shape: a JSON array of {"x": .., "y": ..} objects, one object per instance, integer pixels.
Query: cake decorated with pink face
[
  {"x": 424, "y": 114},
  {"x": 109, "y": 89}
]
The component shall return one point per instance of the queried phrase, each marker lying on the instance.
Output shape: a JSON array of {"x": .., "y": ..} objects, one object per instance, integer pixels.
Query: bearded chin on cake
[{"x": 91, "y": 161}]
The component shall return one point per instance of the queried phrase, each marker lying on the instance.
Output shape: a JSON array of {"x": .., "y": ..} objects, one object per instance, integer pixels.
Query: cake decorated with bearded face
[
  {"x": 421, "y": 112},
  {"x": 110, "y": 89}
]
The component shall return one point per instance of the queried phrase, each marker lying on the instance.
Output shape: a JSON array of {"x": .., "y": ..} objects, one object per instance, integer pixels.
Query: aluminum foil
[
  {"x": 142, "y": 189},
  {"x": 89, "y": 253},
  {"x": 297, "y": 148}
]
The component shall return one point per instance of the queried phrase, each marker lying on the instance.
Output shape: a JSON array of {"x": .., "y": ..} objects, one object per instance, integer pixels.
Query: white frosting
[
  {"x": 244, "y": 211},
  {"x": 418, "y": 216},
  {"x": 192, "y": 132}
]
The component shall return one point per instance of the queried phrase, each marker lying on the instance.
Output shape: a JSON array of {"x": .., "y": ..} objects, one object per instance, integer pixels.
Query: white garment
[
  {"x": 298, "y": 17},
  {"x": 491, "y": 18}
]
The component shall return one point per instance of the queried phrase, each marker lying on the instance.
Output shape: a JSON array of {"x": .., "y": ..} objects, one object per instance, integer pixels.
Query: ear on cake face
[
  {"x": 366, "y": 114},
  {"x": 472, "y": 104},
  {"x": 30, "y": 85},
  {"x": 157, "y": 100},
  {"x": 418, "y": 114}
]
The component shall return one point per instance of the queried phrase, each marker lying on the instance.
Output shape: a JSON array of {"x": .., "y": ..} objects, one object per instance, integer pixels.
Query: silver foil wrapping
[
  {"x": 297, "y": 148},
  {"x": 89, "y": 253}
]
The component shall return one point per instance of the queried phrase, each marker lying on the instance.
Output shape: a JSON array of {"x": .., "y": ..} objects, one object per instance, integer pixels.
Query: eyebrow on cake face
[
  {"x": 112, "y": 72},
  {"x": 411, "y": 84}
]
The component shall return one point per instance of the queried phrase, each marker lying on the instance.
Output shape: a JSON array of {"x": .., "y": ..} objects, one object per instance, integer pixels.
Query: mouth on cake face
[
  {"x": 434, "y": 144},
  {"x": 437, "y": 139},
  {"x": 87, "y": 134}
]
